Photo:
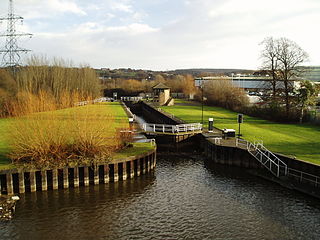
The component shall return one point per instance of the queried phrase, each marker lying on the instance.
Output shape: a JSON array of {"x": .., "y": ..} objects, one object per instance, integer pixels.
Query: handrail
[
  {"x": 300, "y": 174},
  {"x": 166, "y": 128},
  {"x": 303, "y": 176},
  {"x": 259, "y": 152}
]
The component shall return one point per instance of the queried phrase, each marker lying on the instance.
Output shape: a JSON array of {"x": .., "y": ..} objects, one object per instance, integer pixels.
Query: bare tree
[
  {"x": 270, "y": 62},
  {"x": 283, "y": 57},
  {"x": 290, "y": 55}
]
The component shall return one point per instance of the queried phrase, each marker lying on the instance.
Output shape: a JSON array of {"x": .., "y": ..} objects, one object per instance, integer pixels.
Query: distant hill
[{"x": 200, "y": 71}]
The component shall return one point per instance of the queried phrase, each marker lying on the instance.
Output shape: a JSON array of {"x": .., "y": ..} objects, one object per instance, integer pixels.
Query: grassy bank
[
  {"x": 106, "y": 117},
  {"x": 299, "y": 140}
]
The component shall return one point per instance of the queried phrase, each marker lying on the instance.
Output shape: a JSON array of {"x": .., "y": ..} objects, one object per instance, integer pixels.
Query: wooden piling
[
  {"x": 86, "y": 176},
  {"x": 9, "y": 184},
  {"x": 22, "y": 188},
  {"x": 132, "y": 169},
  {"x": 138, "y": 167},
  {"x": 148, "y": 163},
  {"x": 106, "y": 173},
  {"x": 96, "y": 175},
  {"x": 115, "y": 172},
  {"x": 33, "y": 183},
  {"x": 44, "y": 182},
  {"x": 76, "y": 177},
  {"x": 65, "y": 178},
  {"x": 124, "y": 170},
  {"x": 143, "y": 165},
  {"x": 55, "y": 183}
]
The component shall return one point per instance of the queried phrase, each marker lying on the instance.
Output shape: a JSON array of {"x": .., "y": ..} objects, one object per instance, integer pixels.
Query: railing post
[
  {"x": 154, "y": 128},
  {"x": 163, "y": 128}
]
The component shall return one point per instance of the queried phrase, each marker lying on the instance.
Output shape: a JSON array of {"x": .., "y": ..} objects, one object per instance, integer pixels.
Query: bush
[{"x": 224, "y": 94}]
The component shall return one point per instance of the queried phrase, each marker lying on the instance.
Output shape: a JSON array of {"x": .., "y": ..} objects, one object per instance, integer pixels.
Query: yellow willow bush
[{"x": 78, "y": 135}]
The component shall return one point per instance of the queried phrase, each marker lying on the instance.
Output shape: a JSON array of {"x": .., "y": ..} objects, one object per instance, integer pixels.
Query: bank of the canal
[
  {"x": 136, "y": 159},
  {"x": 299, "y": 141}
]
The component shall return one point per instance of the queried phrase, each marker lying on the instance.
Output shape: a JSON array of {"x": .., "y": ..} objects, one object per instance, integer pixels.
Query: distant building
[
  {"x": 312, "y": 73},
  {"x": 247, "y": 82},
  {"x": 161, "y": 95}
]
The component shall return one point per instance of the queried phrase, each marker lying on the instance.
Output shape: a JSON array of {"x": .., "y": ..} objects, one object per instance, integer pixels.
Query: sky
[{"x": 165, "y": 34}]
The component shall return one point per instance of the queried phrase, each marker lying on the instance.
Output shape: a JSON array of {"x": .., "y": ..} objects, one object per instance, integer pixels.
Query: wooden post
[
  {"x": 22, "y": 188},
  {"x": 154, "y": 156},
  {"x": 96, "y": 175},
  {"x": 33, "y": 183},
  {"x": 86, "y": 175},
  {"x": 55, "y": 183},
  {"x": 143, "y": 163},
  {"x": 149, "y": 163},
  {"x": 138, "y": 167},
  {"x": 132, "y": 169},
  {"x": 65, "y": 177},
  {"x": 9, "y": 184},
  {"x": 44, "y": 183},
  {"x": 76, "y": 177},
  {"x": 115, "y": 172},
  {"x": 106, "y": 173},
  {"x": 124, "y": 170}
]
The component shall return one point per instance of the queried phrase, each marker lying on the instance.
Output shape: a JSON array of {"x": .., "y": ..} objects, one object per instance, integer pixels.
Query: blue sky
[{"x": 163, "y": 34}]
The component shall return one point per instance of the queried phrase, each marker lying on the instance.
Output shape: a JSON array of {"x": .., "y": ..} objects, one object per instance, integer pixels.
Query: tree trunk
[{"x": 301, "y": 114}]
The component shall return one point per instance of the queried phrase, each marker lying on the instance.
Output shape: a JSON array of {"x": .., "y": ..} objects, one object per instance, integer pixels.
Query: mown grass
[
  {"x": 100, "y": 117},
  {"x": 137, "y": 149},
  {"x": 299, "y": 140}
]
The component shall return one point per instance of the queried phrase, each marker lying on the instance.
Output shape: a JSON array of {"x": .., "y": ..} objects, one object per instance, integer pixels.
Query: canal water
[{"x": 181, "y": 199}]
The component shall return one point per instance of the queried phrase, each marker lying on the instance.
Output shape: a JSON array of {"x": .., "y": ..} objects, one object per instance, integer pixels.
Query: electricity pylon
[{"x": 11, "y": 51}]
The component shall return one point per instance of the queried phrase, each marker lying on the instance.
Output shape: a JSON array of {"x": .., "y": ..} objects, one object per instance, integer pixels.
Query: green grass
[
  {"x": 115, "y": 109},
  {"x": 299, "y": 140},
  {"x": 4, "y": 145},
  {"x": 137, "y": 149}
]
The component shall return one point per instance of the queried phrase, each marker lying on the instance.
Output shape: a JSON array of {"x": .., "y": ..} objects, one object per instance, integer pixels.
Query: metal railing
[
  {"x": 269, "y": 159},
  {"x": 264, "y": 156},
  {"x": 131, "y": 99},
  {"x": 304, "y": 177},
  {"x": 164, "y": 128}
]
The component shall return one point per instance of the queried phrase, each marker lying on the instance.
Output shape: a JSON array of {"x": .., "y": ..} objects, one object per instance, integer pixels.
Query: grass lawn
[
  {"x": 97, "y": 114},
  {"x": 299, "y": 140}
]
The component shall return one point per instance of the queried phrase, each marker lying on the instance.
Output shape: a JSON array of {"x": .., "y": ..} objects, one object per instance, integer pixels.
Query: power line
[{"x": 11, "y": 51}]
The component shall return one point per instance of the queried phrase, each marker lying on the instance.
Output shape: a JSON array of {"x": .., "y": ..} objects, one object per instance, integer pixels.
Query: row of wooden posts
[{"x": 42, "y": 180}]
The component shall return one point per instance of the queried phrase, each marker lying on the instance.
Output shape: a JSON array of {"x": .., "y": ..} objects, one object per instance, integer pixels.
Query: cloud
[
  {"x": 162, "y": 34},
  {"x": 120, "y": 6}
]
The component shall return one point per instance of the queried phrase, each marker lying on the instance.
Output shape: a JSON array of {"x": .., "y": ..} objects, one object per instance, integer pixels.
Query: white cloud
[
  {"x": 120, "y": 6},
  {"x": 200, "y": 33},
  {"x": 65, "y": 6}
]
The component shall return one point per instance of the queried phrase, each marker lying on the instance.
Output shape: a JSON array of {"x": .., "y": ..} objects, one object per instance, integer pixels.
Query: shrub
[{"x": 223, "y": 93}]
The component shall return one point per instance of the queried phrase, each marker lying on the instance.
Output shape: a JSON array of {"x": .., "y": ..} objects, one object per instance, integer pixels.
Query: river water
[{"x": 181, "y": 199}]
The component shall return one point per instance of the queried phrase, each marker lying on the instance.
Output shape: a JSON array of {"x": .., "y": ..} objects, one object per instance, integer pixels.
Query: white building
[{"x": 247, "y": 82}]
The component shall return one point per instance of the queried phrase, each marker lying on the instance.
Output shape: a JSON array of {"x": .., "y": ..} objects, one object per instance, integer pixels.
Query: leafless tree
[
  {"x": 270, "y": 62},
  {"x": 283, "y": 58}
]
